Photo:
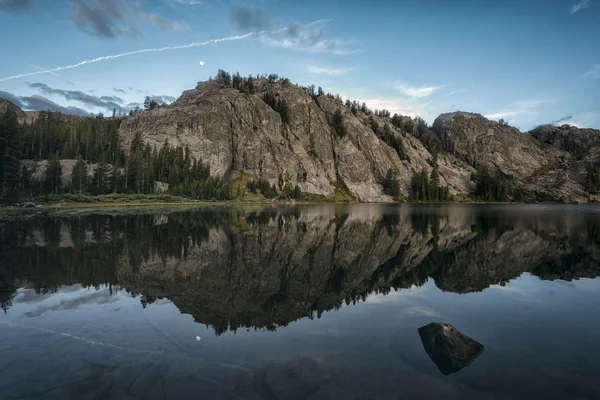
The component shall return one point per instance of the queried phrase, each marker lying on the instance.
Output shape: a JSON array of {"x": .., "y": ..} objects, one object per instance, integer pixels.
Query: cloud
[
  {"x": 117, "y": 90},
  {"x": 511, "y": 113},
  {"x": 161, "y": 99},
  {"x": 104, "y": 102},
  {"x": 455, "y": 92},
  {"x": 41, "y": 103},
  {"x": 249, "y": 18},
  {"x": 116, "y": 18},
  {"x": 423, "y": 91},
  {"x": 531, "y": 103},
  {"x": 99, "y": 297},
  {"x": 308, "y": 37},
  {"x": 327, "y": 71},
  {"x": 581, "y": 5},
  {"x": 593, "y": 73},
  {"x": 165, "y": 24},
  {"x": 585, "y": 120},
  {"x": 561, "y": 120},
  {"x": 392, "y": 105},
  {"x": 523, "y": 108},
  {"x": 187, "y": 2},
  {"x": 131, "y": 53},
  {"x": 15, "y": 5}
]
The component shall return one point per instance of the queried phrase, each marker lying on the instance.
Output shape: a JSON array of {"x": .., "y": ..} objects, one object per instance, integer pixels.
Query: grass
[
  {"x": 239, "y": 188},
  {"x": 342, "y": 194}
]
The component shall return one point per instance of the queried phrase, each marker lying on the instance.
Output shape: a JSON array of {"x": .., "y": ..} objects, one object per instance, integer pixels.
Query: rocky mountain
[
  {"x": 549, "y": 163},
  {"x": 291, "y": 137},
  {"x": 237, "y": 132}
]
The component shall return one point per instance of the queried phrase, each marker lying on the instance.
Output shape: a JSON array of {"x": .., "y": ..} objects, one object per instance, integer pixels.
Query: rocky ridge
[{"x": 236, "y": 132}]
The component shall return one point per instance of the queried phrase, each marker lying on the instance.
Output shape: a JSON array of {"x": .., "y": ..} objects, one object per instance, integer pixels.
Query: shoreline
[{"x": 50, "y": 208}]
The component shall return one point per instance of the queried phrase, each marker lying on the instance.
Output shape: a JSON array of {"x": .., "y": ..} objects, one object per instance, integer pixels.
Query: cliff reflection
[{"x": 234, "y": 267}]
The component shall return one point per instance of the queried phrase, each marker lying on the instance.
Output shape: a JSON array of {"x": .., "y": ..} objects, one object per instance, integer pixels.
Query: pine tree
[
  {"x": 100, "y": 181},
  {"x": 10, "y": 152},
  {"x": 79, "y": 176},
  {"x": 52, "y": 179}
]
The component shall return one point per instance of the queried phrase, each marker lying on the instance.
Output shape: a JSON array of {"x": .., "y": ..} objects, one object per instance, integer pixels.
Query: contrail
[
  {"x": 40, "y": 68},
  {"x": 95, "y": 60}
]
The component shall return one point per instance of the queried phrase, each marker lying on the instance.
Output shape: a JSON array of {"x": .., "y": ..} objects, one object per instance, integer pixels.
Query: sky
[{"x": 530, "y": 62}]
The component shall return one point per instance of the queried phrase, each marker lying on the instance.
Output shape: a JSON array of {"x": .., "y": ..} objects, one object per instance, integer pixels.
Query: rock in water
[{"x": 449, "y": 349}]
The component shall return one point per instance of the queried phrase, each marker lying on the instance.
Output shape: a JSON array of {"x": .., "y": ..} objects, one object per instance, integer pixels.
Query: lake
[{"x": 299, "y": 302}]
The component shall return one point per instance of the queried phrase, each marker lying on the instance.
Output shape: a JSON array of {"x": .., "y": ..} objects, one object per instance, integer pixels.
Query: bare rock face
[
  {"x": 481, "y": 142},
  {"x": 234, "y": 132},
  {"x": 449, "y": 349},
  {"x": 39, "y": 170},
  {"x": 568, "y": 138},
  {"x": 543, "y": 163}
]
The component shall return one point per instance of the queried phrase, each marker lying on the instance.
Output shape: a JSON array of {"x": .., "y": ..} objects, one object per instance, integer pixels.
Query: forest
[{"x": 95, "y": 140}]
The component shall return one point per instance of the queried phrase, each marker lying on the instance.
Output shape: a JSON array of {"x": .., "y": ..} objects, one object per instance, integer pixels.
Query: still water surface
[{"x": 308, "y": 302}]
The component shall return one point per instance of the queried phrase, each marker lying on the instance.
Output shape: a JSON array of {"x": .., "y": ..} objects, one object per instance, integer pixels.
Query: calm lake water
[{"x": 308, "y": 302}]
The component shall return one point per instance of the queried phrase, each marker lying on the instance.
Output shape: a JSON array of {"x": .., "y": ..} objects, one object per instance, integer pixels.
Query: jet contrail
[
  {"x": 40, "y": 68},
  {"x": 95, "y": 60}
]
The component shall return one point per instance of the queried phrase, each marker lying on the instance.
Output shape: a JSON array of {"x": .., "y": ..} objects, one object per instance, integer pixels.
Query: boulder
[
  {"x": 28, "y": 204},
  {"x": 161, "y": 187},
  {"x": 449, "y": 349}
]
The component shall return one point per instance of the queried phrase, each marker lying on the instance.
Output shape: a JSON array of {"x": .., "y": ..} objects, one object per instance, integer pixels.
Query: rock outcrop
[
  {"x": 544, "y": 164},
  {"x": 234, "y": 131},
  {"x": 449, "y": 349}
]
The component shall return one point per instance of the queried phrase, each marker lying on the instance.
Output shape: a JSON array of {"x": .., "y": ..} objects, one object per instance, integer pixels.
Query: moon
[{"x": 201, "y": 62}]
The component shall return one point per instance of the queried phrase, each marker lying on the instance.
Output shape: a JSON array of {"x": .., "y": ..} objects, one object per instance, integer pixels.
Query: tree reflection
[{"x": 263, "y": 268}]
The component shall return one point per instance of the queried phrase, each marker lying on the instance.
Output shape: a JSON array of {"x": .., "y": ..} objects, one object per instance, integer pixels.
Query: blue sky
[{"x": 528, "y": 61}]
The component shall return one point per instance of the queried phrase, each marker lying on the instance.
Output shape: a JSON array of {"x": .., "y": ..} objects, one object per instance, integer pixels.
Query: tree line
[{"x": 53, "y": 136}]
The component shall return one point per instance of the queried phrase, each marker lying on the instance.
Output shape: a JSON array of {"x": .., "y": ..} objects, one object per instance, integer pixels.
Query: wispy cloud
[
  {"x": 413, "y": 91},
  {"x": 117, "y": 90},
  {"x": 116, "y": 18},
  {"x": 187, "y": 2},
  {"x": 561, "y": 120},
  {"x": 593, "y": 73},
  {"x": 522, "y": 108},
  {"x": 585, "y": 120},
  {"x": 327, "y": 71},
  {"x": 131, "y": 53},
  {"x": 307, "y": 37},
  {"x": 581, "y": 5},
  {"x": 390, "y": 104},
  {"x": 455, "y": 92}
]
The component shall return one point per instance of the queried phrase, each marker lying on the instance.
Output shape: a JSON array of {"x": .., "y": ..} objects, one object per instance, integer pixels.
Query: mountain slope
[{"x": 234, "y": 131}]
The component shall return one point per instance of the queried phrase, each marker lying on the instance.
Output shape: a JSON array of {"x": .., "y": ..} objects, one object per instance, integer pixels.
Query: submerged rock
[{"x": 449, "y": 349}]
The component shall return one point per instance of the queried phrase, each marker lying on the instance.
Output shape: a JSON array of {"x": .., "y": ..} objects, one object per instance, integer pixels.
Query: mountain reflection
[{"x": 233, "y": 267}]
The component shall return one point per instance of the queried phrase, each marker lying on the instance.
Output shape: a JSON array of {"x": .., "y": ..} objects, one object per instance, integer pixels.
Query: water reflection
[{"x": 265, "y": 267}]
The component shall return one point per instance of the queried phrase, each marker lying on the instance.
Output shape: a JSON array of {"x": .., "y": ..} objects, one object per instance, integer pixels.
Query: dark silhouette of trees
[
  {"x": 338, "y": 123},
  {"x": 79, "y": 176},
  {"x": 10, "y": 152},
  {"x": 390, "y": 184},
  {"x": 492, "y": 187},
  {"x": 150, "y": 103},
  {"x": 52, "y": 177}
]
